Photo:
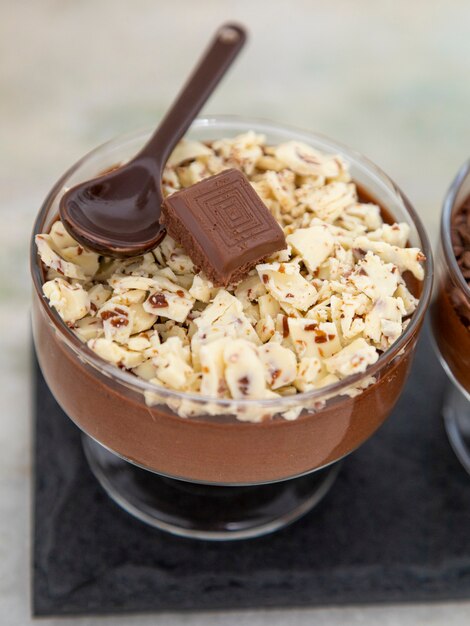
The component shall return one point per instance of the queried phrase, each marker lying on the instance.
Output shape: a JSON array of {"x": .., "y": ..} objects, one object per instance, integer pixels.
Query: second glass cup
[
  {"x": 211, "y": 475},
  {"x": 451, "y": 322}
]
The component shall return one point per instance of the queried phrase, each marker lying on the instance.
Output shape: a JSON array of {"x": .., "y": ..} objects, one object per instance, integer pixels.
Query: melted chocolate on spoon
[{"x": 118, "y": 213}]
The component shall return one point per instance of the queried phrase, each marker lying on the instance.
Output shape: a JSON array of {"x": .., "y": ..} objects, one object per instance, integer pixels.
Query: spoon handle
[{"x": 218, "y": 57}]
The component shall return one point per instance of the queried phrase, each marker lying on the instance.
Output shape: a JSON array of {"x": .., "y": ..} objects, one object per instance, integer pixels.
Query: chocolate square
[{"x": 223, "y": 225}]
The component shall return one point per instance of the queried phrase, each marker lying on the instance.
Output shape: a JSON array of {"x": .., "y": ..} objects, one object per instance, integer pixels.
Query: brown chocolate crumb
[
  {"x": 105, "y": 315},
  {"x": 222, "y": 388},
  {"x": 158, "y": 301},
  {"x": 321, "y": 337},
  {"x": 244, "y": 385},
  {"x": 265, "y": 278},
  {"x": 312, "y": 326},
  {"x": 358, "y": 253},
  {"x": 180, "y": 293},
  {"x": 285, "y": 327},
  {"x": 119, "y": 322}
]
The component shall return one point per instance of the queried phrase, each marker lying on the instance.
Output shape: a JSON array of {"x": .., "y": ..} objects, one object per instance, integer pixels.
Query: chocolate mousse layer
[
  {"x": 195, "y": 449},
  {"x": 451, "y": 309}
]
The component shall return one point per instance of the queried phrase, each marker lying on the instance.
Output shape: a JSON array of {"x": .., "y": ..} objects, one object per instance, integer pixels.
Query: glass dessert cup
[
  {"x": 452, "y": 337},
  {"x": 213, "y": 476}
]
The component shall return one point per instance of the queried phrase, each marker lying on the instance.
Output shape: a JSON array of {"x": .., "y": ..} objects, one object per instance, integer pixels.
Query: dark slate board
[{"x": 394, "y": 528}]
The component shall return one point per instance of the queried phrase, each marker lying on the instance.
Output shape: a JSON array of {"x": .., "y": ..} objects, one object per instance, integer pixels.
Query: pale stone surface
[{"x": 390, "y": 79}]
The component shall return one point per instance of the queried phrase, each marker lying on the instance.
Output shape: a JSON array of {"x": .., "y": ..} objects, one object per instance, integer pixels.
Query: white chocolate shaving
[
  {"x": 404, "y": 258},
  {"x": 352, "y": 359},
  {"x": 305, "y": 160},
  {"x": 244, "y": 372},
  {"x": 280, "y": 364},
  {"x": 286, "y": 284},
  {"x": 52, "y": 259},
  {"x": 172, "y": 363},
  {"x": 313, "y": 245},
  {"x": 187, "y": 150},
  {"x": 114, "y": 353},
  {"x": 71, "y": 301}
]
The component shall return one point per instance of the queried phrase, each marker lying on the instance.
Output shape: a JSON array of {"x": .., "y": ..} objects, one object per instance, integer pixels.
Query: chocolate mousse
[
  {"x": 312, "y": 316},
  {"x": 451, "y": 310},
  {"x": 460, "y": 236}
]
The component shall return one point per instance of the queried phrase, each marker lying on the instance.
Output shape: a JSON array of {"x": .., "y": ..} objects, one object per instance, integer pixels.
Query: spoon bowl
[{"x": 125, "y": 215}]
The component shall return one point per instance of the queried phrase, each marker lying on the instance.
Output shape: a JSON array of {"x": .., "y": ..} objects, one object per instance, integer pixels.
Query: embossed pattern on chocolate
[{"x": 223, "y": 225}]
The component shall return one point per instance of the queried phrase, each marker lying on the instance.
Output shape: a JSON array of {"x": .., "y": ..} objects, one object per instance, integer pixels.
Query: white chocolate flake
[
  {"x": 404, "y": 258},
  {"x": 172, "y": 363},
  {"x": 114, "y": 353},
  {"x": 305, "y": 160},
  {"x": 309, "y": 371},
  {"x": 71, "y": 301},
  {"x": 60, "y": 237},
  {"x": 52, "y": 259},
  {"x": 279, "y": 363},
  {"x": 243, "y": 151},
  {"x": 86, "y": 260},
  {"x": 313, "y": 340},
  {"x": 286, "y": 284},
  {"x": 172, "y": 305},
  {"x": 328, "y": 203},
  {"x": 187, "y": 150},
  {"x": 201, "y": 288},
  {"x": 244, "y": 372},
  {"x": 352, "y": 359},
  {"x": 374, "y": 277},
  {"x": 88, "y": 327},
  {"x": 211, "y": 356},
  {"x": 313, "y": 244}
]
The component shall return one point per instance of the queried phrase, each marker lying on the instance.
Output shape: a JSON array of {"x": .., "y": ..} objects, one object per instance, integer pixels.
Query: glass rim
[
  {"x": 446, "y": 218},
  {"x": 281, "y": 403}
]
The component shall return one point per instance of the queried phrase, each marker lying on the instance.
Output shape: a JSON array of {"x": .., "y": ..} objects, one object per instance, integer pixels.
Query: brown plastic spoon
[{"x": 118, "y": 213}]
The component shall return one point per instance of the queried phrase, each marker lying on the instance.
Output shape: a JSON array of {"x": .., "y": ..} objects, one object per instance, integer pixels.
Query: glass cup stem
[{"x": 201, "y": 511}]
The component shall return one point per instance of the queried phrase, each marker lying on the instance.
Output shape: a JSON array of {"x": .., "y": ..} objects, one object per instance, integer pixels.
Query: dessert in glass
[
  {"x": 450, "y": 311},
  {"x": 223, "y": 411}
]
